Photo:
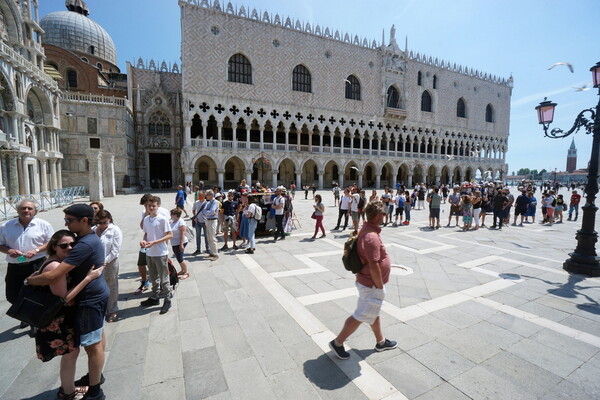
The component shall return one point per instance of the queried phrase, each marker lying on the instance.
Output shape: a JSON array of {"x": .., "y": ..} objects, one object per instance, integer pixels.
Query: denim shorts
[
  {"x": 89, "y": 322},
  {"x": 178, "y": 253}
]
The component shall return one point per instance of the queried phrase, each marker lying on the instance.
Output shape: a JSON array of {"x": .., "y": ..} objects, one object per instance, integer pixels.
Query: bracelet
[{"x": 37, "y": 250}]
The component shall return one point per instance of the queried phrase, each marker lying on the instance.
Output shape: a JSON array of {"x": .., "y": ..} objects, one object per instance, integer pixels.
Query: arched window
[
  {"x": 435, "y": 81},
  {"x": 420, "y": 79},
  {"x": 461, "y": 108},
  {"x": 301, "y": 79},
  {"x": 239, "y": 69},
  {"x": 71, "y": 79},
  {"x": 426, "y": 103},
  {"x": 393, "y": 98},
  {"x": 99, "y": 66},
  {"x": 159, "y": 125},
  {"x": 489, "y": 113},
  {"x": 352, "y": 88}
]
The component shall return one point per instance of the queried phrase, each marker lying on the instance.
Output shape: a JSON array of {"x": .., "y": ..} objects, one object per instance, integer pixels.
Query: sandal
[
  {"x": 79, "y": 390},
  {"x": 112, "y": 317},
  {"x": 184, "y": 276}
]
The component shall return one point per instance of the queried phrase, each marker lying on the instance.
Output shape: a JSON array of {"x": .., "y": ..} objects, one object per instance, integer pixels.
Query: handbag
[
  {"x": 36, "y": 306},
  {"x": 314, "y": 215}
]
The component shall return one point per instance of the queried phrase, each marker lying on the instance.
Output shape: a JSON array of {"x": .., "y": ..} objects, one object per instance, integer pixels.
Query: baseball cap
[{"x": 80, "y": 211}]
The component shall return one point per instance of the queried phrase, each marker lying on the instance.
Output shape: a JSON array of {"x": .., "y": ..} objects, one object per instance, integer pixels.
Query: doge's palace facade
[{"x": 277, "y": 101}]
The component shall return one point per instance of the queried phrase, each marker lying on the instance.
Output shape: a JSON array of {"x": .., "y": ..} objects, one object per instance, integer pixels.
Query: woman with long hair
[
  {"x": 318, "y": 215},
  {"x": 58, "y": 338}
]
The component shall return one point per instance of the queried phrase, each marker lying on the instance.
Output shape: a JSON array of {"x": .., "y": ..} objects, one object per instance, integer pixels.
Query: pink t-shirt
[{"x": 370, "y": 247}]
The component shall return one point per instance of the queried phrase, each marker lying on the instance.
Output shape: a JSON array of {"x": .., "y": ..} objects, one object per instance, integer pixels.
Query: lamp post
[{"x": 584, "y": 259}]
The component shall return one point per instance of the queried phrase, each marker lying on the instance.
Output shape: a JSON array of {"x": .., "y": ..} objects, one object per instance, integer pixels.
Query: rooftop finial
[{"x": 77, "y": 6}]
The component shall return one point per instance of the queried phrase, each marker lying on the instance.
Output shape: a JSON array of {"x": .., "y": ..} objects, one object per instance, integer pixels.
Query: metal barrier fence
[{"x": 43, "y": 201}]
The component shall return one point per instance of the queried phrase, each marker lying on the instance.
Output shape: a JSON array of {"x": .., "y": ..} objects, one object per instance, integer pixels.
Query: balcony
[
  {"x": 20, "y": 63},
  {"x": 394, "y": 113}
]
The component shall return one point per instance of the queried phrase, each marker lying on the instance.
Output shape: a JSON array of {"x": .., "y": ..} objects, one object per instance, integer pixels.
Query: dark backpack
[
  {"x": 173, "y": 277},
  {"x": 361, "y": 203},
  {"x": 350, "y": 257}
]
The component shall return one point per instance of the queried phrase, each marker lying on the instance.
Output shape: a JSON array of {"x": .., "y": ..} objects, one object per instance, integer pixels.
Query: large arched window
[
  {"x": 426, "y": 103},
  {"x": 71, "y": 79},
  {"x": 489, "y": 113},
  {"x": 159, "y": 125},
  {"x": 420, "y": 79},
  {"x": 393, "y": 98},
  {"x": 352, "y": 88},
  {"x": 239, "y": 69},
  {"x": 301, "y": 79},
  {"x": 461, "y": 108}
]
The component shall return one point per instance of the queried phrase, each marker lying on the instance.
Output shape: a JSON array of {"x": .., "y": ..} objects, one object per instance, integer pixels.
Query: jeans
[
  {"x": 342, "y": 213},
  {"x": 279, "y": 224},
  {"x": 252, "y": 224},
  {"x": 199, "y": 228},
  {"x": 574, "y": 208},
  {"x": 407, "y": 212}
]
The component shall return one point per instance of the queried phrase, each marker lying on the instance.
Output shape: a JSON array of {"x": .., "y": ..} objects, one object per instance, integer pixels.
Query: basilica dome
[{"x": 74, "y": 30}]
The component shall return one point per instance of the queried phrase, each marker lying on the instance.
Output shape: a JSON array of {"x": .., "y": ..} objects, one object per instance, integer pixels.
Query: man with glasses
[
  {"x": 24, "y": 241},
  {"x": 92, "y": 301},
  {"x": 211, "y": 215}
]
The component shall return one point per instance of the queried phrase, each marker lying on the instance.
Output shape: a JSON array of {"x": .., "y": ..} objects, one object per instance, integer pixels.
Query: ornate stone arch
[
  {"x": 8, "y": 97},
  {"x": 39, "y": 106}
]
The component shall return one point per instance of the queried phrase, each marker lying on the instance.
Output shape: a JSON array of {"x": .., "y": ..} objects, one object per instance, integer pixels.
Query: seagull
[
  {"x": 450, "y": 157},
  {"x": 583, "y": 88},
  {"x": 474, "y": 153},
  {"x": 563, "y": 63},
  {"x": 353, "y": 167},
  {"x": 487, "y": 172},
  {"x": 347, "y": 81}
]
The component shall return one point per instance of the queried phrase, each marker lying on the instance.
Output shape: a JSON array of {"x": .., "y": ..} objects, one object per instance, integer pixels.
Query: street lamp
[{"x": 584, "y": 259}]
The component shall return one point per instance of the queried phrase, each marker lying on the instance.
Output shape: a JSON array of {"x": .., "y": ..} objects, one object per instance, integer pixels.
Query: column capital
[{"x": 220, "y": 170}]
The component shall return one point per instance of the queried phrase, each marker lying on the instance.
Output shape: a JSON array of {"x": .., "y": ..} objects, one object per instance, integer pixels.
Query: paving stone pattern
[{"x": 483, "y": 314}]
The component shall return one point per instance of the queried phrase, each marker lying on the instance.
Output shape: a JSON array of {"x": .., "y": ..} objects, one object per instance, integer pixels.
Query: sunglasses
[
  {"x": 69, "y": 220},
  {"x": 65, "y": 245}
]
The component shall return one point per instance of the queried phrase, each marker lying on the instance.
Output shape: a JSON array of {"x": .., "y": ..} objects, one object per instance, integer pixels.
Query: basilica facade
[
  {"x": 263, "y": 98},
  {"x": 30, "y": 157}
]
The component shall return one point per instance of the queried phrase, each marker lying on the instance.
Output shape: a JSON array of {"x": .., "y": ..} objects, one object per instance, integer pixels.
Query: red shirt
[
  {"x": 575, "y": 199},
  {"x": 370, "y": 247}
]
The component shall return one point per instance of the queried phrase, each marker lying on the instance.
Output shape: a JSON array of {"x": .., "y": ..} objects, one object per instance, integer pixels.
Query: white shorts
[{"x": 369, "y": 304}]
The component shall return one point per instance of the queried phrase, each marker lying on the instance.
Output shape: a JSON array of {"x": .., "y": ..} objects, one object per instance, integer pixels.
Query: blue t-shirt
[
  {"x": 180, "y": 198},
  {"x": 87, "y": 252}
]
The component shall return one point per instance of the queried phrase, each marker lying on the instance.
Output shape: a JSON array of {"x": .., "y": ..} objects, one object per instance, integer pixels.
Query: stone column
[
  {"x": 219, "y": 134},
  {"x": 377, "y": 181},
  {"x": 409, "y": 183},
  {"x": 249, "y": 177},
  {"x": 341, "y": 179},
  {"x": 262, "y": 137},
  {"x": 394, "y": 180},
  {"x": 299, "y": 180},
  {"x": 187, "y": 133},
  {"x": 234, "y": 126},
  {"x": 59, "y": 173},
  {"x": 321, "y": 173},
  {"x": 19, "y": 160},
  {"x": 95, "y": 174},
  {"x": 13, "y": 175},
  {"x": 274, "y": 178},
  {"x": 437, "y": 179},
  {"x": 287, "y": 139},
  {"x": 4, "y": 171},
  {"x": 321, "y": 142},
  {"x": 247, "y": 140},
  {"x": 221, "y": 178},
  {"x": 44, "y": 174},
  {"x": 53, "y": 174},
  {"x": 188, "y": 175},
  {"x": 360, "y": 179},
  {"x": 109, "y": 189},
  {"x": 379, "y": 148}
]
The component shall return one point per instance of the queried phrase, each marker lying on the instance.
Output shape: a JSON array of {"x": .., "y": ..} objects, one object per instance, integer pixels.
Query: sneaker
[
  {"x": 235, "y": 247},
  {"x": 85, "y": 380},
  {"x": 197, "y": 252},
  {"x": 387, "y": 345},
  {"x": 224, "y": 248},
  {"x": 339, "y": 351},
  {"x": 212, "y": 257},
  {"x": 145, "y": 285},
  {"x": 166, "y": 306},
  {"x": 150, "y": 302},
  {"x": 98, "y": 396},
  {"x": 249, "y": 251}
]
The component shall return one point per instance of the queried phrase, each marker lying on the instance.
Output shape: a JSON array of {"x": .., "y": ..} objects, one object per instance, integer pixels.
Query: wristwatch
[
  {"x": 37, "y": 250},
  {"x": 25, "y": 282}
]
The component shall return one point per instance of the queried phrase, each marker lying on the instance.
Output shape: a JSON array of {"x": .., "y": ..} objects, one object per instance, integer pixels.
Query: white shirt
[
  {"x": 175, "y": 227},
  {"x": 15, "y": 236},
  {"x": 345, "y": 202},
  {"x": 161, "y": 211},
  {"x": 155, "y": 228},
  {"x": 276, "y": 202},
  {"x": 111, "y": 239},
  {"x": 354, "y": 202}
]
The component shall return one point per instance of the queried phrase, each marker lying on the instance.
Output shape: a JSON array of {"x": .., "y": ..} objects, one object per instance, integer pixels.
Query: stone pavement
[{"x": 483, "y": 315}]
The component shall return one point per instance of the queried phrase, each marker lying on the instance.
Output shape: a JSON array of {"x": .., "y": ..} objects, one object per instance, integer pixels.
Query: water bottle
[
  {"x": 21, "y": 258},
  {"x": 143, "y": 250}
]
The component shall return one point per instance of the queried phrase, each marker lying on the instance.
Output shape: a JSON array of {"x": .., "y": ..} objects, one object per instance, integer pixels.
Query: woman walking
[
  {"x": 318, "y": 216},
  {"x": 250, "y": 214},
  {"x": 111, "y": 238}
]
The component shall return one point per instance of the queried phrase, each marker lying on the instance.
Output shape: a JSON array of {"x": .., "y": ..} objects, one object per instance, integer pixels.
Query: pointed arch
[
  {"x": 461, "y": 108},
  {"x": 393, "y": 97},
  {"x": 489, "y": 113},
  {"x": 301, "y": 79},
  {"x": 426, "y": 101},
  {"x": 353, "y": 91},
  {"x": 239, "y": 69}
]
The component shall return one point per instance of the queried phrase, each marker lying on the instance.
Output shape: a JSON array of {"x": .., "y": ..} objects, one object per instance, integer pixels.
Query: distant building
[{"x": 572, "y": 157}]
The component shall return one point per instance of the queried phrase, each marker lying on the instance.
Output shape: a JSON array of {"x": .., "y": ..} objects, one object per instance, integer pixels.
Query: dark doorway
[{"x": 160, "y": 170}]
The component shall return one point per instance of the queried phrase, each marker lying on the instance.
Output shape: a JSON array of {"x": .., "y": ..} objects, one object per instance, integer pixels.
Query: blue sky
[{"x": 501, "y": 37}]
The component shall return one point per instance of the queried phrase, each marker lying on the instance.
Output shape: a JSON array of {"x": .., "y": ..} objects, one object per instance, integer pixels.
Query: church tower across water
[{"x": 572, "y": 157}]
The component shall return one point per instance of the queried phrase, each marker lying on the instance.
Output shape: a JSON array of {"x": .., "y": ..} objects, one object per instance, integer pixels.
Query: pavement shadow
[
  {"x": 10, "y": 333},
  {"x": 47, "y": 395},
  {"x": 129, "y": 275},
  {"x": 323, "y": 372},
  {"x": 571, "y": 290}
]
